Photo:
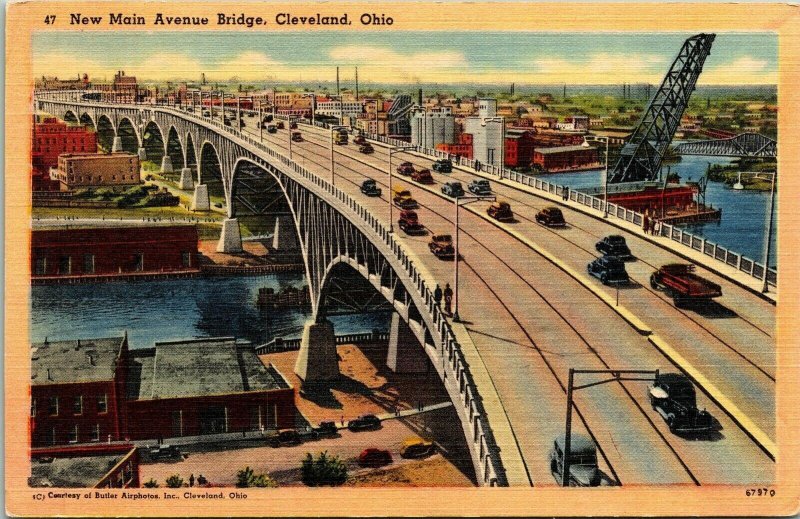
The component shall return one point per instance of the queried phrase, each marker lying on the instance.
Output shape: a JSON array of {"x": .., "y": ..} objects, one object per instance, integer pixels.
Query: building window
[
  {"x": 65, "y": 265},
  {"x": 96, "y": 433},
  {"x": 138, "y": 262},
  {"x": 72, "y": 434},
  {"x": 102, "y": 403},
  {"x": 33, "y": 408},
  {"x": 77, "y": 405},
  {"x": 53, "y": 407},
  {"x": 40, "y": 266},
  {"x": 88, "y": 263},
  {"x": 186, "y": 258}
]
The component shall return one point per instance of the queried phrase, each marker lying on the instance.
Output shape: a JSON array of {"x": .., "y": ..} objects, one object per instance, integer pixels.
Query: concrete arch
[
  {"x": 105, "y": 132},
  {"x": 129, "y": 135},
  {"x": 192, "y": 158},
  {"x": 70, "y": 117},
  {"x": 175, "y": 149},
  {"x": 87, "y": 120},
  {"x": 209, "y": 171},
  {"x": 153, "y": 142}
]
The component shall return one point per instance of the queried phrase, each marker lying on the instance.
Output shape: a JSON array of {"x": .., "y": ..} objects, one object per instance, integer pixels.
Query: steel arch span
[{"x": 333, "y": 229}]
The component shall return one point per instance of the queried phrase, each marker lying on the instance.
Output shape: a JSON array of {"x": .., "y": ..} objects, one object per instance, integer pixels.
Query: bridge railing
[{"x": 491, "y": 468}]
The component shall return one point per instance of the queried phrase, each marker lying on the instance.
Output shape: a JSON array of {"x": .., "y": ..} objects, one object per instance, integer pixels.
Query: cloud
[
  {"x": 601, "y": 68},
  {"x": 165, "y": 65},
  {"x": 382, "y": 64},
  {"x": 743, "y": 70}
]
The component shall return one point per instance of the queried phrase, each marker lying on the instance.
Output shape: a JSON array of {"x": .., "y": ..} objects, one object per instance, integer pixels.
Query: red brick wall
[
  {"x": 114, "y": 249},
  {"x": 152, "y": 419},
  {"x": 52, "y": 138},
  {"x": 652, "y": 198},
  {"x": 555, "y": 161}
]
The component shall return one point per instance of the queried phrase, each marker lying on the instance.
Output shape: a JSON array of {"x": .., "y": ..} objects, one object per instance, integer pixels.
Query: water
[
  {"x": 174, "y": 309},
  {"x": 743, "y": 224}
]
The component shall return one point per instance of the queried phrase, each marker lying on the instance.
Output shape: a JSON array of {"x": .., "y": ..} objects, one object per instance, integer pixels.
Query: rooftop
[
  {"x": 78, "y": 472},
  {"x": 87, "y": 360},
  {"x": 97, "y": 156},
  {"x": 199, "y": 367},
  {"x": 562, "y": 149}
]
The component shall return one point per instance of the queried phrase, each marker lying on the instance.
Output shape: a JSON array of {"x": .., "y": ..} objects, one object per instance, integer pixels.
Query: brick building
[
  {"x": 565, "y": 158},
  {"x": 75, "y": 391},
  {"x": 97, "y": 170},
  {"x": 519, "y": 147},
  {"x": 98, "y": 390},
  {"x": 655, "y": 199},
  {"x": 462, "y": 148},
  {"x": 85, "y": 466},
  {"x": 111, "y": 251},
  {"x": 51, "y": 138}
]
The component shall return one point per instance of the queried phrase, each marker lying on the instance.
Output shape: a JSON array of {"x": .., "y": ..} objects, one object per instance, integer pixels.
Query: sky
[{"x": 401, "y": 57}]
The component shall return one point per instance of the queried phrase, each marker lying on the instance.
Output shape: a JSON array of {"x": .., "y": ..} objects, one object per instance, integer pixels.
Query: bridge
[
  {"x": 529, "y": 312},
  {"x": 743, "y": 145}
]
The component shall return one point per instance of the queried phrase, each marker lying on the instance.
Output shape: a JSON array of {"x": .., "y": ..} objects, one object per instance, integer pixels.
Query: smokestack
[
  {"x": 357, "y": 84},
  {"x": 48, "y": 374},
  {"x": 419, "y": 97},
  {"x": 337, "y": 81}
]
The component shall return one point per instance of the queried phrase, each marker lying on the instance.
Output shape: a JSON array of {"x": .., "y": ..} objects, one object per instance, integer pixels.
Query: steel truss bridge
[{"x": 743, "y": 145}]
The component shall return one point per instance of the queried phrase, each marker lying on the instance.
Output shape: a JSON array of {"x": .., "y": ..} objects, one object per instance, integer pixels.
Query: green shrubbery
[
  {"x": 246, "y": 478},
  {"x": 324, "y": 470}
]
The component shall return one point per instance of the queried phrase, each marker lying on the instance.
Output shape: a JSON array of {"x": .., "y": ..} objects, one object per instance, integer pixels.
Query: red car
[
  {"x": 405, "y": 169},
  {"x": 293, "y": 125},
  {"x": 422, "y": 176},
  {"x": 374, "y": 458},
  {"x": 280, "y": 125}
]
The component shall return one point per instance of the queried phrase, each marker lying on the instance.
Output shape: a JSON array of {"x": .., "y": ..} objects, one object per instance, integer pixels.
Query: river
[
  {"x": 743, "y": 224},
  {"x": 153, "y": 311}
]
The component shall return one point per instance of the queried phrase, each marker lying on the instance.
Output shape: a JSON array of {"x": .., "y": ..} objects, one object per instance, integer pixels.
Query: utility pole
[
  {"x": 337, "y": 81},
  {"x": 357, "y": 98}
]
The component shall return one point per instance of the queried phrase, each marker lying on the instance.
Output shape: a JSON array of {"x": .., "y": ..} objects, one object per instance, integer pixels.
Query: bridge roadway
[{"x": 531, "y": 322}]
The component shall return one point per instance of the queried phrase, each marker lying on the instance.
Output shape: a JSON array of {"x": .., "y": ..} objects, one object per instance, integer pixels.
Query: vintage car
[
  {"x": 441, "y": 245},
  {"x": 163, "y": 452},
  {"x": 406, "y": 169},
  {"x": 409, "y": 222},
  {"x": 453, "y": 189},
  {"x": 680, "y": 282},
  {"x": 297, "y": 137},
  {"x": 268, "y": 118},
  {"x": 608, "y": 269},
  {"x": 366, "y": 148},
  {"x": 271, "y": 128},
  {"x": 500, "y": 211},
  {"x": 673, "y": 396},
  {"x": 480, "y": 187},
  {"x": 583, "y": 471},
  {"x": 284, "y": 437},
  {"x": 442, "y": 166},
  {"x": 402, "y": 199},
  {"x": 373, "y": 457},
  {"x": 280, "y": 125},
  {"x": 370, "y": 188},
  {"x": 293, "y": 125},
  {"x": 614, "y": 245},
  {"x": 359, "y": 139},
  {"x": 327, "y": 430},
  {"x": 364, "y": 422},
  {"x": 416, "y": 447},
  {"x": 551, "y": 217},
  {"x": 422, "y": 176},
  {"x": 340, "y": 137}
]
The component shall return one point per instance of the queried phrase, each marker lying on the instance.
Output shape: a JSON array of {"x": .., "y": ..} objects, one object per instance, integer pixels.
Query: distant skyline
[{"x": 401, "y": 57}]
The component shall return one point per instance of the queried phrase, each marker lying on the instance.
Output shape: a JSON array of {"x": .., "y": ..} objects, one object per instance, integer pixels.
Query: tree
[
  {"x": 174, "y": 481},
  {"x": 324, "y": 470},
  {"x": 151, "y": 484},
  {"x": 246, "y": 478}
]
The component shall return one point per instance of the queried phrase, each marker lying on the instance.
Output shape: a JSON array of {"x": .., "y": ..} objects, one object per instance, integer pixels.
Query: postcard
[{"x": 401, "y": 259}]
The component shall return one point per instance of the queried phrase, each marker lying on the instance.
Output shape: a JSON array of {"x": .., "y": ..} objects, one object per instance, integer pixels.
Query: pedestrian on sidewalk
[
  {"x": 646, "y": 223},
  {"x": 565, "y": 192},
  {"x": 448, "y": 298},
  {"x": 191, "y": 480},
  {"x": 437, "y": 295}
]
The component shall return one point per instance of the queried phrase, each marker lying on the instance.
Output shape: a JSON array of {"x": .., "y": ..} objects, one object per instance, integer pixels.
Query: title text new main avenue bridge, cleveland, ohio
[{"x": 529, "y": 312}]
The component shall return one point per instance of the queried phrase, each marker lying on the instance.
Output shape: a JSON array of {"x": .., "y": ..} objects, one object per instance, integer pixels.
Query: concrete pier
[
  {"x": 142, "y": 154},
  {"x": 166, "y": 164},
  {"x": 317, "y": 362},
  {"x": 117, "y": 145},
  {"x": 186, "y": 182},
  {"x": 405, "y": 354},
  {"x": 230, "y": 238},
  {"x": 200, "y": 201},
  {"x": 284, "y": 238}
]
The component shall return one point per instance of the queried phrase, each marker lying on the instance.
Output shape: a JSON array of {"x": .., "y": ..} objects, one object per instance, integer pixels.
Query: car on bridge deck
[
  {"x": 551, "y": 217},
  {"x": 409, "y": 223},
  {"x": 441, "y": 245},
  {"x": 297, "y": 137},
  {"x": 293, "y": 125},
  {"x": 680, "y": 281},
  {"x": 442, "y": 166},
  {"x": 480, "y": 187},
  {"x": 608, "y": 270},
  {"x": 453, "y": 189},
  {"x": 364, "y": 423},
  {"x": 268, "y": 118},
  {"x": 422, "y": 176},
  {"x": 500, "y": 211},
  {"x": 271, "y": 128},
  {"x": 402, "y": 198},
  {"x": 373, "y": 457},
  {"x": 366, "y": 148},
  {"x": 280, "y": 125},
  {"x": 673, "y": 396},
  {"x": 406, "y": 169},
  {"x": 615, "y": 246},
  {"x": 359, "y": 139},
  {"x": 583, "y": 470},
  {"x": 370, "y": 188}
]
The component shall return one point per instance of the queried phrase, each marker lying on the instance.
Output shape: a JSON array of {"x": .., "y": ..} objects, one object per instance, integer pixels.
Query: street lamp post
[
  {"x": 289, "y": 133},
  {"x": 767, "y": 241},
  {"x": 334, "y": 129},
  {"x": 616, "y": 376},
  {"x": 313, "y": 97},
  {"x": 458, "y": 203},
  {"x": 389, "y": 196},
  {"x": 586, "y": 144}
]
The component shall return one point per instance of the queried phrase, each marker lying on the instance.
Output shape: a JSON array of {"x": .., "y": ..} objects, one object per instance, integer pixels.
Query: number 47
[{"x": 50, "y": 19}]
